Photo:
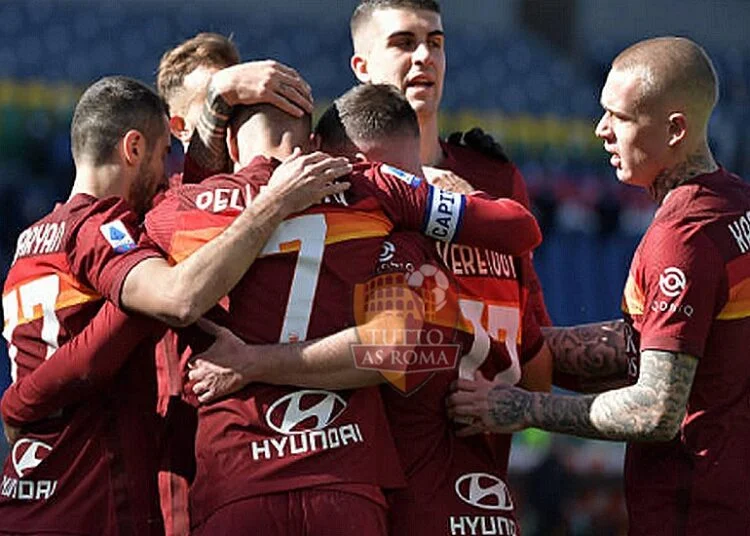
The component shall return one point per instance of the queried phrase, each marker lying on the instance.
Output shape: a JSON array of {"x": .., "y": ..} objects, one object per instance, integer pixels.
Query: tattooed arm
[
  {"x": 591, "y": 350},
  {"x": 247, "y": 83},
  {"x": 651, "y": 410}
]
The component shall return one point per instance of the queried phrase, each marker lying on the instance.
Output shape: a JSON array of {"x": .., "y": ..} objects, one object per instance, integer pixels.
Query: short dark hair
[
  {"x": 204, "y": 50},
  {"x": 367, "y": 112},
  {"x": 366, "y": 8},
  {"x": 277, "y": 120},
  {"x": 107, "y": 110}
]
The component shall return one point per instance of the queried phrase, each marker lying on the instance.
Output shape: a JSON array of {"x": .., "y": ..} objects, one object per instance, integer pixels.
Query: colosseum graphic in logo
[{"x": 406, "y": 321}]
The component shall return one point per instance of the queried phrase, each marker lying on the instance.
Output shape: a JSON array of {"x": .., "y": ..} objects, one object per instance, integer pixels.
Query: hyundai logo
[
  {"x": 305, "y": 410},
  {"x": 484, "y": 491},
  {"x": 28, "y": 454}
]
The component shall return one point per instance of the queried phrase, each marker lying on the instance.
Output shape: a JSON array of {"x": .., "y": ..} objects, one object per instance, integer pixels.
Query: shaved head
[{"x": 675, "y": 70}]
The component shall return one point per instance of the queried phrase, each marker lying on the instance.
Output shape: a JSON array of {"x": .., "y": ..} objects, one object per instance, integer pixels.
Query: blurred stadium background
[{"x": 527, "y": 71}]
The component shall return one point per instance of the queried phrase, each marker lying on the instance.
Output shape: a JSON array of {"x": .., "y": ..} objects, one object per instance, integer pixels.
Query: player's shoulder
[
  {"x": 705, "y": 200},
  {"x": 381, "y": 175},
  {"x": 498, "y": 177}
]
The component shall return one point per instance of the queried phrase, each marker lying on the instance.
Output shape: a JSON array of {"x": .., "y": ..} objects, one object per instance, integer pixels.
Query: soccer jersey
[
  {"x": 457, "y": 485},
  {"x": 88, "y": 469},
  {"x": 499, "y": 179},
  {"x": 688, "y": 291},
  {"x": 266, "y": 438}
]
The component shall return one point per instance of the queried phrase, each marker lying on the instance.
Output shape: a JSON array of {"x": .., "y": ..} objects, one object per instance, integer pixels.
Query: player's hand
[
  {"x": 480, "y": 141},
  {"x": 490, "y": 406},
  {"x": 12, "y": 434},
  {"x": 265, "y": 81},
  {"x": 227, "y": 366},
  {"x": 447, "y": 180},
  {"x": 303, "y": 180}
]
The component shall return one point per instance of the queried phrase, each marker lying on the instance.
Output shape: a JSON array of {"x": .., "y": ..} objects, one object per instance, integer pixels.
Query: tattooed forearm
[
  {"x": 591, "y": 350},
  {"x": 695, "y": 164},
  {"x": 651, "y": 410},
  {"x": 208, "y": 146}
]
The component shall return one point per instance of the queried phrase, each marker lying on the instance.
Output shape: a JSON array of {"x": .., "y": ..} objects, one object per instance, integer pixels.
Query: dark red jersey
[
  {"x": 689, "y": 291},
  {"x": 88, "y": 469},
  {"x": 267, "y": 438},
  {"x": 454, "y": 484},
  {"x": 499, "y": 179}
]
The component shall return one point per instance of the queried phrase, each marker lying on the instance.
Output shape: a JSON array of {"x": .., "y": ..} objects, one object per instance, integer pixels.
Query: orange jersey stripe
[
  {"x": 738, "y": 304},
  {"x": 342, "y": 226},
  {"x": 738, "y": 270},
  {"x": 633, "y": 299}
]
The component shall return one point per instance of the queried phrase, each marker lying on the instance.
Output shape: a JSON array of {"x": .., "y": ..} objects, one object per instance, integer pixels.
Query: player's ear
[
  {"x": 678, "y": 128},
  {"x": 359, "y": 66},
  {"x": 315, "y": 141},
  {"x": 178, "y": 128},
  {"x": 133, "y": 147}
]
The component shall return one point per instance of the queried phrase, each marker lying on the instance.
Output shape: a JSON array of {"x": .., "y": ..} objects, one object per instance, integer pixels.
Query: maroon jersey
[
  {"x": 86, "y": 470},
  {"x": 457, "y": 485},
  {"x": 267, "y": 439},
  {"x": 689, "y": 291},
  {"x": 498, "y": 179}
]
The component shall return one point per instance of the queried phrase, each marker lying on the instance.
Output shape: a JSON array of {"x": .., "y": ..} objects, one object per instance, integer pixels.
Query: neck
[
  {"x": 430, "y": 152},
  {"x": 697, "y": 163},
  {"x": 99, "y": 181}
]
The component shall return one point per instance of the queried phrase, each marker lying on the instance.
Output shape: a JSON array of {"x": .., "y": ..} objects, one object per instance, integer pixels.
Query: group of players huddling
[{"x": 183, "y": 351}]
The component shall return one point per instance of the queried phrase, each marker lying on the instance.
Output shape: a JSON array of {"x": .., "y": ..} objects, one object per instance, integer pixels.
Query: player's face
[
  {"x": 633, "y": 135},
  {"x": 405, "y": 48},
  {"x": 151, "y": 173}
]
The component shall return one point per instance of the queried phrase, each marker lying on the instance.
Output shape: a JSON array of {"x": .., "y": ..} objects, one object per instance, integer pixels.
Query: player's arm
[
  {"x": 180, "y": 294},
  {"x": 536, "y": 374},
  {"x": 247, "y": 83},
  {"x": 475, "y": 219},
  {"x": 82, "y": 365},
  {"x": 230, "y": 364},
  {"x": 651, "y": 410},
  {"x": 589, "y": 358}
]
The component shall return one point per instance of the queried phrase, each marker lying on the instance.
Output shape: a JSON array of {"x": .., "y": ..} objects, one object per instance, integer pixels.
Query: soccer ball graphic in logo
[{"x": 432, "y": 285}]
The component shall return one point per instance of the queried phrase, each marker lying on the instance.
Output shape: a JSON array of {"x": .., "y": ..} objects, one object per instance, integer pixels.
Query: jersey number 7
[{"x": 310, "y": 232}]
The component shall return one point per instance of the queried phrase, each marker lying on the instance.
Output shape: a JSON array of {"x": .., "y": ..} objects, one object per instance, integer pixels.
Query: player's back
[
  {"x": 75, "y": 472},
  {"x": 486, "y": 295},
  {"x": 266, "y": 438}
]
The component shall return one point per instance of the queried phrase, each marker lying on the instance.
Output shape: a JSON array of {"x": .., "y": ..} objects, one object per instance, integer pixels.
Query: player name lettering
[
  {"x": 740, "y": 229},
  {"x": 468, "y": 260},
  {"x": 481, "y": 525},
  {"x": 301, "y": 443},
  {"x": 27, "y": 490},
  {"x": 40, "y": 239},
  {"x": 221, "y": 199}
]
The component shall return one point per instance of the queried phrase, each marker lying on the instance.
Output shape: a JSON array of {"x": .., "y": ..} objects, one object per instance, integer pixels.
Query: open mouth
[{"x": 420, "y": 83}]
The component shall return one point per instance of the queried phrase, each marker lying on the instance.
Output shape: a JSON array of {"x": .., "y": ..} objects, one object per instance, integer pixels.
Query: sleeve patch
[
  {"x": 408, "y": 178},
  {"x": 118, "y": 236}
]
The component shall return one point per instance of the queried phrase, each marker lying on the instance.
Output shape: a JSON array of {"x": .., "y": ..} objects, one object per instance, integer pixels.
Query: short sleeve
[
  {"x": 102, "y": 248},
  {"x": 681, "y": 274}
]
